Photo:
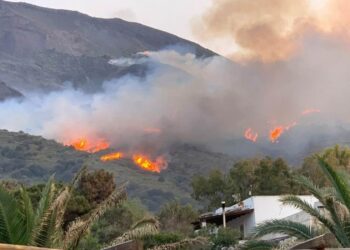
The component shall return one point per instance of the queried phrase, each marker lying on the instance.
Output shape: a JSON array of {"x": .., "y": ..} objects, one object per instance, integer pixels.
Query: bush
[
  {"x": 174, "y": 217},
  {"x": 160, "y": 239},
  {"x": 89, "y": 242},
  {"x": 225, "y": 237}
]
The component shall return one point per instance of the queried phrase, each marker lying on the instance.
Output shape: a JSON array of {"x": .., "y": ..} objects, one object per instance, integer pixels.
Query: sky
[
  {"x": 172, "y": 16},
  {"x": 177, "y": 17}
]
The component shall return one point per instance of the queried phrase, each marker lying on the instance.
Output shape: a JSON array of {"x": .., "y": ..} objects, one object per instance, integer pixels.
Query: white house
[{"x": 246, "y": 215}]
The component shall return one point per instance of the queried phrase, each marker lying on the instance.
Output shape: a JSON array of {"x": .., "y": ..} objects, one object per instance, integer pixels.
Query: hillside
[
  {"x": 41, "y": 49},
  {"x": 32, "y": 159}
]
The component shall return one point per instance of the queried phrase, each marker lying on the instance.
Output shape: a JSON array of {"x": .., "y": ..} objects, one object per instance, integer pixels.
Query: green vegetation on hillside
[
  {"x": 264, "y": 176},
  {"x": 334, "y": 217},
  {"x": 33, "y": 159},
  {"x": 26, "y": 161},
  {"x": 44, "y": 224}
]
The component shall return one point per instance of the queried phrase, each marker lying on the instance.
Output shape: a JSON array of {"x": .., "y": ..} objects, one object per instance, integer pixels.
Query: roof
[{"x": 216, "y": 218}]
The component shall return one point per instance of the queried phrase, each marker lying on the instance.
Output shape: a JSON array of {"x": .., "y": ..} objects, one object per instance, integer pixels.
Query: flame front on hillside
[
  {"x": 112, "y": 156},
  {"x": 144, "y": 162},
  {"x": 91, "y": 146},
  {"x": 251, "y": 135},
  {"x": 277, "y": 131},
  {"x": 139, "y": 159}
]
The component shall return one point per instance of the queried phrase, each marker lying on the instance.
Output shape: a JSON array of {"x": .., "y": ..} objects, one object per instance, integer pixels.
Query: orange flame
[
  {"x": 112, "y": 156},
  {"x": 146, "y": 163},
  {"x": 310, "y": 111},
  {"x": 83, "y": 144},
  {"x": 275, "y": 133},
  {"x": 250, "y": 135}
]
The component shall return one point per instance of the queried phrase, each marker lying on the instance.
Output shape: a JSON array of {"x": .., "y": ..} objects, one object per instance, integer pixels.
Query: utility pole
[{"x": 223, "y": 205}]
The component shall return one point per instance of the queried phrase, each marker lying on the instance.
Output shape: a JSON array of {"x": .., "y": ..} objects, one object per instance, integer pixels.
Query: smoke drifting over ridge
[
  {"x": 271, "y": 30},
  {"x": 295, "y": 60},
  {"x": 184, "y": 99}
]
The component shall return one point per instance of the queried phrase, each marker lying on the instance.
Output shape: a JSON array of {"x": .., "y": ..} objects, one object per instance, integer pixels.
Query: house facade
[{"x": 246, "y": 215}]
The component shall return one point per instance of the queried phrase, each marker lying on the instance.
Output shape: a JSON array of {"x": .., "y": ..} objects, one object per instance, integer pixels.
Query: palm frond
[
  {"x": 339, "y": 214},
  {"x": 312, "y": 188},
  {"x": 186, "y": 243},
  {"x": 336, "y": 210},
  {"x": 332, "y": 226},
  {"x": 339, "y": 181},
  {"x": 28, "y": 212},
  {"x": 80, "y": 226},
  {"x": 146, "y": 221},
  {"x": 78, "y": 176},
  {"x": 142, "y": 228},
  {"x": 59, "y": 205},
  {"x": 11, "y": 219},
  {"x": 287, "y": 227},
  {"x": 42, "y": 214},
  {"x": 257, "y": 245},
  {"x": 297, "y": 202}
]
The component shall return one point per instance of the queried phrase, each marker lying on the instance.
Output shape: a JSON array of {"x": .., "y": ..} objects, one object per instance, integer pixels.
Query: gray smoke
[{"x": 184, "y": 99}]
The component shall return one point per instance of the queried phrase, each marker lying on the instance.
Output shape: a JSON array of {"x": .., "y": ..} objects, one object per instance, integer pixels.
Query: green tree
[
  {"x": 273, "y": 177},
  {"x": 93, "y": 187},
  {"x": 336, "y": 202},
  {"x": 117, "y": 220},
  {"x": 337, "y": 156},
  {"x": 96, "y": 186},
  {"x": 22, "y": 224},
  {"x": 264, "y": 176},
  {"x": 174, "y": 217},
  {"x": 212, "y": 190},
  {"x": 243, "y": 176}
]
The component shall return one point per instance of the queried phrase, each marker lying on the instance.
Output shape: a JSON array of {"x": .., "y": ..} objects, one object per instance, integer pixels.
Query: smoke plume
[
  {"x": 271, "y": 30},
  {"x": 296, "y": 61}
]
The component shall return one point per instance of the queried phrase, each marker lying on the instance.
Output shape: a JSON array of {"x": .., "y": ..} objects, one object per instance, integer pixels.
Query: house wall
[
  {"x": 247, "y": 221},
  {"x": 269, "y": 207},
  {"x": 302, "y": 218}
]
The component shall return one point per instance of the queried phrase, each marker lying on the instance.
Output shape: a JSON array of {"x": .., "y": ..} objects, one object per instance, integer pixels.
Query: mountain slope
[
  {"x": 42, "y": 48},
  {"x": 7, "y": 92},
  {"x": 33, "y": 159}
]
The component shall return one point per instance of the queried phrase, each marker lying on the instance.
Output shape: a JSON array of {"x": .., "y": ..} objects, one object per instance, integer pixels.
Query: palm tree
[
  {"x": 150, "y": 226},
  {"x": 22, "y": 225},
  {"x": 335, "y": 200},
  {"x": 145, "y": 227}
]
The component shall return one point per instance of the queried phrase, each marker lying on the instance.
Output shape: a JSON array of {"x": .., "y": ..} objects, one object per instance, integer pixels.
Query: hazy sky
[
  {"x": 175, "y": 17},
  {"x": 168, "y": 15}
]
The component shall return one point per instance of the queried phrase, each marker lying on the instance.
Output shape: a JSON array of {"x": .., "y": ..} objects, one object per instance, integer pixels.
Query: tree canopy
[{"x": 264, "y": 176}]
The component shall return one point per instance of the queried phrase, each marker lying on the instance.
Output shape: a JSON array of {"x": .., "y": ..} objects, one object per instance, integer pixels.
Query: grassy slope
[{"x": 33, "y": 159}]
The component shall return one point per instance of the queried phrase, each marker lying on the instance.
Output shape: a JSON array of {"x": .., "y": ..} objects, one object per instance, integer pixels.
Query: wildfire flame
[
  {"x": 275, "y": 133},
  {"x": 250, "y": 135},
  {"x": 91, "y": 146},
  {"x": 140, "y": 160},
  {"x": 112, "y": 156},
  {"x": 146, "y": 163}
]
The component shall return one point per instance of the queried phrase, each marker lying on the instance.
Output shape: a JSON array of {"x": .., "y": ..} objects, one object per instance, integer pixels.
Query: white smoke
[{"x": 184, "y": 99}]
